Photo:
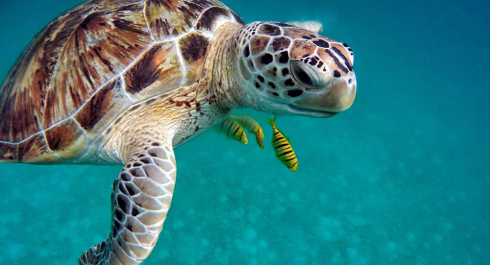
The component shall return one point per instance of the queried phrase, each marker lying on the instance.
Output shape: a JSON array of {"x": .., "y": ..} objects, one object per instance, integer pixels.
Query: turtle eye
[
  {"x": 308, "y": 76},
  {"x": 301, "y": 75}
]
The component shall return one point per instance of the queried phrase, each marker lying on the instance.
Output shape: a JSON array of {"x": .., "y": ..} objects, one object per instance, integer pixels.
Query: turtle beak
[{"x": 335, "y": 97}]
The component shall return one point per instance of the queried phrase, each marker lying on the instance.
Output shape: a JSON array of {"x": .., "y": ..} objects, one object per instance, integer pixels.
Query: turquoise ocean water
[{"x": 400, "y": 178}]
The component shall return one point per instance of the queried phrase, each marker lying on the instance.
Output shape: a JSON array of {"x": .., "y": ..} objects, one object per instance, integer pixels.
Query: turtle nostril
[{"x": 350, "y": 80}]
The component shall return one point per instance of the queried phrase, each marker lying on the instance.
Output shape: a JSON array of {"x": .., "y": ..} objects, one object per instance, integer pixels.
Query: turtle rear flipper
[{"x": 140, "y": 201}]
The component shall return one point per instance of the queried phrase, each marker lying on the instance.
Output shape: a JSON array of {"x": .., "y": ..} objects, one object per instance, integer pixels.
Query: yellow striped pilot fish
[
  {"x": 252, "y": 126},
  {"x": 233, "y": 130},
  {"x": 282, "y": 147},
  {"x": 259, "y": 140}
]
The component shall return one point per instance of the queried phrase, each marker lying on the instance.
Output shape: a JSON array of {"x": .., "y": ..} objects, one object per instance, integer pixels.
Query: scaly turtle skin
[{"x": 126, "y": 81}]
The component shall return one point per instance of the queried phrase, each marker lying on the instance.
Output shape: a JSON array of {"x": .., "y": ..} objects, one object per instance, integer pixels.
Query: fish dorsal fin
[{"x": 314, "y": 26}]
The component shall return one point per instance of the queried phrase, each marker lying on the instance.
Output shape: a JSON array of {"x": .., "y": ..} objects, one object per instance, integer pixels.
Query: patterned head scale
[{"x": 295, "y": 70}]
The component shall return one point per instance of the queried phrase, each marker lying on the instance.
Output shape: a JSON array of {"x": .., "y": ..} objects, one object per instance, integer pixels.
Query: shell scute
[
  {"x": 193, "y": 48},
  {"x": 209, "y": 17},
  {"x": 103, "y": 45},
  {"x": 8, "y": 152},
  {"x": 35, "y": 150},
  {"x": 156, "y": 72},
  {"x": 23, "y": 93},
  {"x": 92, "y": 63},
  {"x": 171, "y": 18},
  {"x": 102, "y": 108},
  {"x": 66, "y": 139}
]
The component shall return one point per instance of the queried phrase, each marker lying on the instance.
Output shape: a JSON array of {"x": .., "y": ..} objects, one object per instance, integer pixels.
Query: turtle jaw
[
  {"x": 311, "y": 112},
  {"x": 294, "y": 110},
  {"x": 336, "y": 97}
]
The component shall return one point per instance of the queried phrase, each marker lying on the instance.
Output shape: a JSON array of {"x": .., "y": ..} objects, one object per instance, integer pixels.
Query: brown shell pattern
[{"x": 92, "y": 63}]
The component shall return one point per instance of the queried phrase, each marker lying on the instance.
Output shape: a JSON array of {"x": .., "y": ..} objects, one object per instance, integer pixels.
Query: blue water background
[{"x": 400, "y": 178}]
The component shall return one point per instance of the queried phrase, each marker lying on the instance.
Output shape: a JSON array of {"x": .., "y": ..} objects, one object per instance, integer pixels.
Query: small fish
[
  {"x": 233, "y": 130},
  {"x": 282, "y": 147},
  {"x": 259, "y": 140},
  {"x": 252, "y": 126}
]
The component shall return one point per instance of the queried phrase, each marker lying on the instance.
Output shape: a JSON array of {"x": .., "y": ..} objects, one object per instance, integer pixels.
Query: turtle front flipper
[
  {"x": 314, "y": 26},
  {"x": 140, "y": 201}
]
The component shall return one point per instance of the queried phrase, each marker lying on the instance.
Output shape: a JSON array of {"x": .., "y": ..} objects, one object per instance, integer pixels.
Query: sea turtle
[{"x": 127, "y": 81}]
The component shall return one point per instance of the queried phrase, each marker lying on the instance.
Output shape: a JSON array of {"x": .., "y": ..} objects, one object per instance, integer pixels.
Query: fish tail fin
[
  {"x": 273, "y": 121},
  {"x": 218, "y": 128}
]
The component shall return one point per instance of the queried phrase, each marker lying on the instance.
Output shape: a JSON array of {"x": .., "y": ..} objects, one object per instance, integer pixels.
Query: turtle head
[{"x": 290, "y": 69}]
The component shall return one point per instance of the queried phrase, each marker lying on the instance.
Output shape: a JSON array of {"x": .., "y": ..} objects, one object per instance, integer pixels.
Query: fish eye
[{"x": 307, "y": 75}]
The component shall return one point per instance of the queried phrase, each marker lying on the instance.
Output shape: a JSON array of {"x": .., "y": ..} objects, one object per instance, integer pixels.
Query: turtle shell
[{"x": 92, "y": 63}]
